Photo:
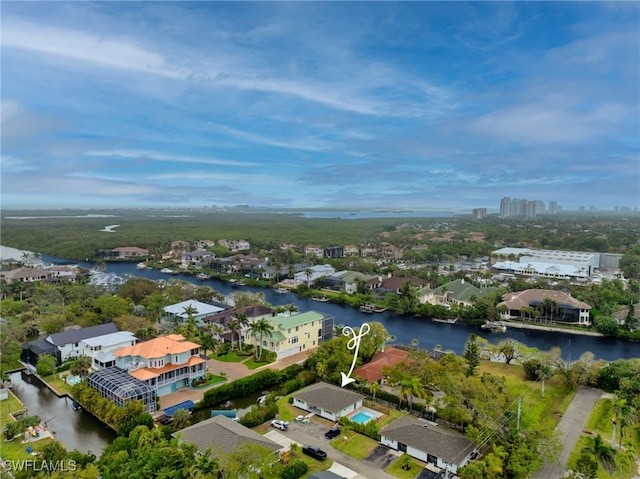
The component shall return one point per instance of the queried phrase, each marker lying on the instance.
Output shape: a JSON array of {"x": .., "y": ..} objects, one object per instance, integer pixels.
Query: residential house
[
  {"x": 295, "y": 333},
  {"x": 197, "y": 258},
  {"x": 334, "y": 252},
  {"x": 235, "y": 245},
  {"x": 220, "y": 435},
  {"x": 178, "y": 312},
  {"x": 346, "y": 281},
  {"x": 454, "y": 292},
  {"x": 622, "y": 315},
  {"x": 446, "y": 449},
  {"x": 166, "y": 364},
  {"x": 65, "y": 345},
  {"x": 64, "y": 272},
  {"x": 314, "y": 250},
  {"x": 26, "y": 275},
  {"x": 316, "y": 272},
  {"x": 389, "y": 250},
  {"x": 127, "y": 252},
  {"x": 393, "y": 284},
  {"x": 368, "y": 251},
  {"x": 100, "y": 348},
  {"x": 371, "y": 372},
  {"x": 566, "y": 309},
  {"x": 327, "y": 401},
  {"x": 118, "y": 386}
]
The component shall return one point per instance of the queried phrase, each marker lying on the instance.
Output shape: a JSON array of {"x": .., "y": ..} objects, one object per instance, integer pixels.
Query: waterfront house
[
  {"x": 446, "y": 449},
  {"x": 295, "y": 333},
  {"x": 100, "y": 348},
  {"x": 562, "y": 307},
  {"x": 392, "y": 284},
  {"x": 220, "y": 435},
  {"x": 316, "y": 272},
  {"x": 26, "y": 275},
  {"x": 224, "y": 318},
  {"x": 327, "y": 401},
  {"x": 314, "y": 250},
  {"x": 178, "y": 312},
  {"x": 64, "y": 345},
  {"x": 346, "y": 281},
  {"x": 167, "y": 363},
  {"x": 454, "y": 292},
  {"x": 197, "y": 258}
]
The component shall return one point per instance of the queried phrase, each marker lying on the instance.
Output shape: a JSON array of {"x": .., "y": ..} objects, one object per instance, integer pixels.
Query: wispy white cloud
[{"x": 152, "y": 156}]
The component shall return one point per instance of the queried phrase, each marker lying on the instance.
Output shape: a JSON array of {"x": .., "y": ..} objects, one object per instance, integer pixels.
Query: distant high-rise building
[
  {"x": 553, "y": 207},
  {"x": 479, "y": 213},
  {"x": 505, "y": 207},
  {"x": 524, "y": 208}
]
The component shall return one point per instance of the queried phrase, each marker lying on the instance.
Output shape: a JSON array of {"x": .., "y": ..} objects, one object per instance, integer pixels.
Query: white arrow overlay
[{"x": 354, "y": 343}]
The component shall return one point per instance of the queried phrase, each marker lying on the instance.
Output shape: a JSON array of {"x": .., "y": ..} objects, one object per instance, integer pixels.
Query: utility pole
[{"x": 519, "y": 410}]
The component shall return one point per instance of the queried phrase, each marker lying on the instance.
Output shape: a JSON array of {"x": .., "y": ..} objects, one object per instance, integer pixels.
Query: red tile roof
[{"x": 372, "y": 371}]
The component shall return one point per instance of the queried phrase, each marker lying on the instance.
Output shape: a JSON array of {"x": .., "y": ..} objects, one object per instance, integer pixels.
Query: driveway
[{"x": 570, "y": 426}]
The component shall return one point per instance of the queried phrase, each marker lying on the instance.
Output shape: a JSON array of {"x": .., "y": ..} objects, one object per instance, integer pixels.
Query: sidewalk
[{"x": 231, "y": 371}]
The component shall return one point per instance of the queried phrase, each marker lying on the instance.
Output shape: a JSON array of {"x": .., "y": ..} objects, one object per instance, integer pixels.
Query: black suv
[
  {"x": 315, "y": 452},
  {"x": 333, "y": 432}
]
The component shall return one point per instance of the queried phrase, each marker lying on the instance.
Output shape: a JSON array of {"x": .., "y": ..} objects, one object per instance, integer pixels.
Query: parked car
[
  {"x": 333, "y": 432},
  {"x": 315, "y": 452},
  {"x": 282, "y": 425}
]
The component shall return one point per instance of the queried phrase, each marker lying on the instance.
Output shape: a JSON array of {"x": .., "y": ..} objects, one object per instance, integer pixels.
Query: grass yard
[
  {"x": 314, "y": 464},
  {"x": 230, "y": 357},
  {"x": 535, "y": 408},
  {"x": 356, "y": 445},
  {"x": 252, "y": 364},
  {"x": 396, "y": 467},
  {"x": 286, "y": 411}
]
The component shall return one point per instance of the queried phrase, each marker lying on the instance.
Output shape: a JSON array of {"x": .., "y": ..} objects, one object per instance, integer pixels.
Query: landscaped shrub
[
  {"x": 369, "y": 429},
  {"x": 259, "y": 414},
  {"x": 294, "y": 469}
]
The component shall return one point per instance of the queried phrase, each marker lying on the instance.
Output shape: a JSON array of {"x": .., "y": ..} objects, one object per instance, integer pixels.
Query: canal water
[
  {"x": 406, "y": 328},
  {"x": 75, "y": 429}
]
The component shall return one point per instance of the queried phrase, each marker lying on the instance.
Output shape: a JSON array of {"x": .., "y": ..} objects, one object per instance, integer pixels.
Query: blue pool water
[{"x": 361, "y": 417}]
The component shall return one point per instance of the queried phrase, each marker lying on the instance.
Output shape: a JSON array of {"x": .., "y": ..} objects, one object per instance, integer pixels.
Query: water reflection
[{"x": 75, "y": 429}]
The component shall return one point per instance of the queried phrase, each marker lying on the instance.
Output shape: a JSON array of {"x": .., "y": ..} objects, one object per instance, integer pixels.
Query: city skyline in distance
[{"x": 420, "y": 106}]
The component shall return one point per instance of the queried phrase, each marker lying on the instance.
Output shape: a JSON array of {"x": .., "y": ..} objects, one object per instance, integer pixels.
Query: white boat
[
  {"x": 322, "y": 299},
  {"x": 202, "y": 276},
  {"x": 281, "y": 291},
  {"x": 142, "y": 266},
  {"x": 166, "y": 270},
  {"x": 495, "y": 326}
]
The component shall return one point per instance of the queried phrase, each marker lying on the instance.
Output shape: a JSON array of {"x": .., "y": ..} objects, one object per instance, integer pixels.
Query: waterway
[
  {"x": 75, "y": 429},
  {"x": 406, "y": 328}
]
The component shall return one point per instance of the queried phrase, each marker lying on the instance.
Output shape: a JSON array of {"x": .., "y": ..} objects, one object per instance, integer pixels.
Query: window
[
  {"x": 320, "y": 332},
  {"x": 297, "y": 328},
  {"x": 294, "y": 340}
]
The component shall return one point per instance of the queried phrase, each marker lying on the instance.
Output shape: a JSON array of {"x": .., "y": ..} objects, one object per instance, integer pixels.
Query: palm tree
[
  {"x": 337, "y": 330},
  {"x": 242, "y": 321},
  {"x": 411, "y": 388},
  {"x": 308, "y": 272},
  {"x": 181, "y": 419},
  {"x": 374, "y": 389},
  {"x": 626, "y": 415},
  {"x": 233, "y": 327},
  {"x": 291, "y": 308},
  {"x": 258, "y": 329},
  {"x": 602, "y": 453}
]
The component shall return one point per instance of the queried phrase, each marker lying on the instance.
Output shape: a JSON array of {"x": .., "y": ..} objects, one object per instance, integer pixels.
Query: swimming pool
[{"x": 365, "y": 415}]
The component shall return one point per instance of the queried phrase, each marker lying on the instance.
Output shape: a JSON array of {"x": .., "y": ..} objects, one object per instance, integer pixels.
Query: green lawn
[
  {"x": 356, "y": 445},
  {"x": 211, "y": 380},
  {"x": 395, "y": 468},
  {"x": 252, "y": 364},
  {"x": 314, "y": 464},
  {"x": 230, "y": 357}
]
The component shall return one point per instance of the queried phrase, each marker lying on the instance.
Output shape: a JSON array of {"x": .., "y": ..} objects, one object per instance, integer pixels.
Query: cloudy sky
[{"x": 419, "y": 105}]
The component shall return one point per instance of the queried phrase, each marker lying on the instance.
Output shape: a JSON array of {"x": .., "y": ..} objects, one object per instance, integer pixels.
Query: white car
[{"x": 282, "y": 425}]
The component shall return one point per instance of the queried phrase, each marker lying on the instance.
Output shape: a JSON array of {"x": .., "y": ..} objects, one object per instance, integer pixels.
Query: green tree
[
  {"x": 46, "y": 365},
  {"x": 472, "y": 355},
  {"x": 181, "y": 419},
  {"x": 411, "y": 388},
  {"x": 242, "y": 320},
  {"x": 603, "y": 454},
  {"x": 81, "y": 366}
]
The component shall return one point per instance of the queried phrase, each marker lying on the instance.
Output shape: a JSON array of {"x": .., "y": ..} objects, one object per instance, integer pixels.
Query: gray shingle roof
[
  {"x": 77, "y": 335},
  {"x": 222, "y": 434},
  {"x": 328, "y": 397},
  {"x": 448, "y": 445}
]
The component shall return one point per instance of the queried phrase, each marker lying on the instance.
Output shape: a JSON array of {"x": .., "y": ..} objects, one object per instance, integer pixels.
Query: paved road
[
  {"x": 570, "y": 426},
  {"x": 313, "y": 433}
]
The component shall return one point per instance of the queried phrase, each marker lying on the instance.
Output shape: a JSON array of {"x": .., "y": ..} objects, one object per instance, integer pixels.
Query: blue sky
[{"x": 420, "y": 105}]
